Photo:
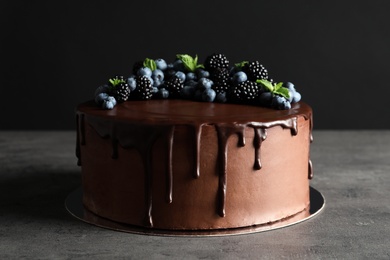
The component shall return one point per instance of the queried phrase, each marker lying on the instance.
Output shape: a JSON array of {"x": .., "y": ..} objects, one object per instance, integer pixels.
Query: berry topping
[
  {"x": 246, "y": 82},
  {"x": 208, "y": 95},
  {"x": 161, "y": 64},
  {"x": 121, "y": 92},
  {"x": 245, "y": 91},
  {"x": 144, "y": 88},
  {"x": 255, "y": 70},
  {"x": 174, "y": 86},
  {"x": 215, "y": 61},
  {"x": 221, "y": 79},
  {"x": 119, "y": 88}
]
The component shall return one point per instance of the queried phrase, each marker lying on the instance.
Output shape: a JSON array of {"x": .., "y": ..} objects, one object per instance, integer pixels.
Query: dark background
[{"x": 54, "y": 54}]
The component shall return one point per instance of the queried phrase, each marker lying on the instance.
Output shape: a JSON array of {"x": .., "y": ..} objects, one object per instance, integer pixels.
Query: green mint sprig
[
  {"x": 190, "y": 63},
  {"x": 115, "y": 81},
  {"x": 276, "y": 89},
  {"x": 241, "y": 64},
  {"x": 150, "y": 63}
]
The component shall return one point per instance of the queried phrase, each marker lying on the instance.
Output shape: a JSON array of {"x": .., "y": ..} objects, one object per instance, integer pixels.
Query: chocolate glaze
[
  {"x": 311, "y": 174},
  {"x": 260, "y": 135},
  {"x": 80, "y": 138},
  {"x": 139, "y": 124},
  {"x": 224, "y": 131}
]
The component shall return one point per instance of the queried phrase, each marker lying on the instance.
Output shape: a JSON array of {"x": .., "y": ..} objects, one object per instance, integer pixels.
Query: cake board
[{"x": 74, "y": 206}]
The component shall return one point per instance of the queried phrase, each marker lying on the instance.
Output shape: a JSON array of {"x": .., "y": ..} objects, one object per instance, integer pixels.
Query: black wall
[{"x": 54, "y": 54}]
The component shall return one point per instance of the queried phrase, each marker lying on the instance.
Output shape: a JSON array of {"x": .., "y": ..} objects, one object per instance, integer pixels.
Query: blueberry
[
  {"x": 101, "y": 97},
  {"x": 161, "y": 64},
  {"x": 169, "y": 73},
  {"x": 187, "y": 92},
  {"x": 107, "y": 104},
  {"x": 144, "y": 71},
  {"x": 158, "y": 74},
  {"x": 291, "y": 94},
  {"x": 181, "y": 75},
  {"x": 163, "y": 93},
  {"x": 239, "y": 77},
  {"x": 201, "y": 73},
  {"x": 150, "y": 79},
  {"x": 265, "y": 98},
  {"x": 285, "y": 104},
  {"x": 205, "y": 83},
  {"x": 157, "y": 83},
  {"x": 296, "y": 97},
  {"x": 191, "y": 83},
  {"x": 101, "y": 89},
  {"x": 221, "y": 97},
  {"x": 208, "y": 95},
  {"x": 190, "y": 76},
  {"x": 289, "y": 85},
  {"x": 178, "y": 65},
  {"x": 132, "y": 83},
  {"x": 280, "y": 102},
  {"x": 112, "y": 100},
  {"x": 277, "y": 100}
]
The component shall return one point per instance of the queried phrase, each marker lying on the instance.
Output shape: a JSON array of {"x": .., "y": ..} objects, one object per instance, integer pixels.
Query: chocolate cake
[{"x": 190, "y": 164}]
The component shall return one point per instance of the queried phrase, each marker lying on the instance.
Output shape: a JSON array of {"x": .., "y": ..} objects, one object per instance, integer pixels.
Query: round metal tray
[{"x": 73, "y": 204}]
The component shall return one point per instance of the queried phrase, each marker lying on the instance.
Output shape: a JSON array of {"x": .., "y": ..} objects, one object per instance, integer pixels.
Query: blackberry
[
  {"x": 255, "y": 71},
  {"x": 221, "y": 79},
  {"x": 245, "y": 91},
  {"x": 119, "y": 88},
  {"x": 174, "y": 85},
  {"x": 121, "y": 92},
  {"x": 144, "y": 88},
  {"x": 215, "y": 61}
]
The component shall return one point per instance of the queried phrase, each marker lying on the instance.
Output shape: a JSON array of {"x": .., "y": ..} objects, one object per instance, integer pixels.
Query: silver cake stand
[{"x": 74, "y": 205}]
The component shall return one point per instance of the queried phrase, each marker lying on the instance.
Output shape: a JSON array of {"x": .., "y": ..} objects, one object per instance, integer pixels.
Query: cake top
[
  {"x": 177, "y": 111},
  {"x": 214, "y": 81}
]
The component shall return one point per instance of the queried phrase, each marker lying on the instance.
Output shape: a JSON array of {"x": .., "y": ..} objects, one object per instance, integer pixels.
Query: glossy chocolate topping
[
  {"x": 192, "y": 112},
  {"x": 139, "y": 124}
]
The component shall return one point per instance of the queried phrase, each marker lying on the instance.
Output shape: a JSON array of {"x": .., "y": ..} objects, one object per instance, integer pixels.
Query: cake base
[{"x": 74, "y": 205}]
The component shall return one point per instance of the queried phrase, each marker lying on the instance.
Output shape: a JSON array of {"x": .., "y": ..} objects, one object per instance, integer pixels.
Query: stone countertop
[{"x": 351, "y": 169}]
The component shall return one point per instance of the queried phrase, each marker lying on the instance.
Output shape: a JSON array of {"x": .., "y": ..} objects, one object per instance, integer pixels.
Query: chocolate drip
[
  {"x": 224, "y": 132},
  {"x": 148, "y": 185},
  {"x": 311, "y": 175},
  {"x": 198, "y": 132},
  {"x": 169, "y": 173},
  {"x": 260, "y": 135},
  {"x": 290, "y": 123},
  {"x": 80, "y": 136},
  {"x": 311, "y": 127}
]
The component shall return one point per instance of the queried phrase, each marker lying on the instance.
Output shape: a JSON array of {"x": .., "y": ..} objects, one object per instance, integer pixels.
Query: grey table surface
[{"x": 351, "y": 169}]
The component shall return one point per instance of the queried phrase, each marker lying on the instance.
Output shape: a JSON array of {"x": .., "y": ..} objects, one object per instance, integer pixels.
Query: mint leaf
[
  {"x": 150, "y": 63},
  {"x": 278, "y": 86},
  {"x": 276, "y": 89},
  {"x": 267, "y": 84},
  {"x": 115, "y": 81},
  {"x": 282, "y": 91},
  {"x": 241, "y": 64},
  {"x": 190, "y": 63}
]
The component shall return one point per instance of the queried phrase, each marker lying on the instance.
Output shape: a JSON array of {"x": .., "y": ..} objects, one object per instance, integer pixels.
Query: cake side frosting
[{"x": 144, "y": 126}]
